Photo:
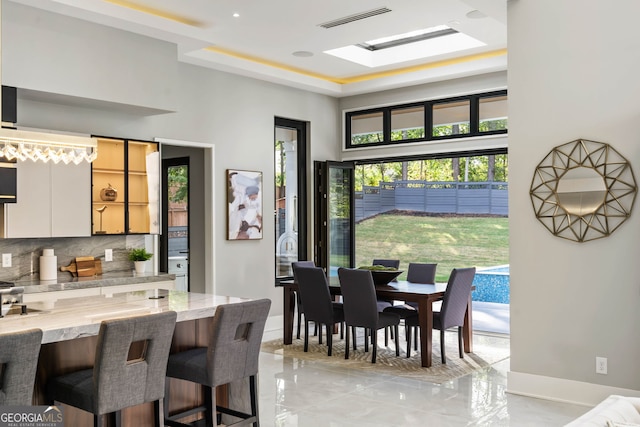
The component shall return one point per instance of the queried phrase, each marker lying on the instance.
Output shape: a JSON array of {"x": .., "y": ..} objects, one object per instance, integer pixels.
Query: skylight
[{"x": 418, "y": 44}]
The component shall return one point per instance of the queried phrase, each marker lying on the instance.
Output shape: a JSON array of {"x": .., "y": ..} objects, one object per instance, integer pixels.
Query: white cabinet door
[
  {"x": 30, "y": 215},
  {"x": 71, "y": 200},
  {"x": 52, "y": 201}
]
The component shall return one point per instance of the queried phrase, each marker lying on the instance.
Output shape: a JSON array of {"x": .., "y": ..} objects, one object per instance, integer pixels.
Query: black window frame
[
  {"x": 474, "y": 120},
  {"x": 302, "y": 130}
]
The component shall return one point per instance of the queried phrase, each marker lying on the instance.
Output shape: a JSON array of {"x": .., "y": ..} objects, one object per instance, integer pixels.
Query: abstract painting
[{"x": 244, "y": 201}]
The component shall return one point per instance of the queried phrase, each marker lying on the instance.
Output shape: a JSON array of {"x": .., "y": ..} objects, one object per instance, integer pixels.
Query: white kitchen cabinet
[{"x": 52, "y": 201}]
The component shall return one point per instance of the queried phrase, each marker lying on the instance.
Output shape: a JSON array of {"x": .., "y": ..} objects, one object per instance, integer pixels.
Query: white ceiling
[{"x": 259, "y": 42}]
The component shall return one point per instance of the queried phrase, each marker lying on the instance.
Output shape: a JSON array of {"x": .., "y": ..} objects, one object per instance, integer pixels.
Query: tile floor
[{"x": 298, "y": 393}]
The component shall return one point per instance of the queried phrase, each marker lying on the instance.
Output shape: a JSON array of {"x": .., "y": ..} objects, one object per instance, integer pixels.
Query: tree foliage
[
  {"x": 178, "y": 180},
  {"x": 472, "y": 169}
]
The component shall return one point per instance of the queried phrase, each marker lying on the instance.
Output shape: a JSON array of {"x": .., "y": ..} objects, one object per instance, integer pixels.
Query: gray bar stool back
[
  {"x": 19, "y": 353},
  {"x": 129, "y": 369},
  {"x": 232, "y": 355}
]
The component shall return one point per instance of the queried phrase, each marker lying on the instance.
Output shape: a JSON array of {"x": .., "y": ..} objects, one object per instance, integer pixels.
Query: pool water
[{"x": 492, "y": 285}]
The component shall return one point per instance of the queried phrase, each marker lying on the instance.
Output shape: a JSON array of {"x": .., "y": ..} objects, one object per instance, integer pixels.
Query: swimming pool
[{"x": 492, "y": 285}]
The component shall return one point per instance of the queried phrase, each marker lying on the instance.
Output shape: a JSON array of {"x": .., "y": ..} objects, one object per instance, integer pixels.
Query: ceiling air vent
[{"x": 356, "y": 17}]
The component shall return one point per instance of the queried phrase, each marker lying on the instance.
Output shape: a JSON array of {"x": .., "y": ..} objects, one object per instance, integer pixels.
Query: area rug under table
[{"x": 487, "y": 350}]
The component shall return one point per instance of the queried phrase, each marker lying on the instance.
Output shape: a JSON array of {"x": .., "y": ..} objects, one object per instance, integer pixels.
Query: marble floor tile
[{"x": 299, "y": 393}]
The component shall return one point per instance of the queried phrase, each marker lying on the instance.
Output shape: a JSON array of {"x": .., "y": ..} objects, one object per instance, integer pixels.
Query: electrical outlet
[
  {"x": 108, "y": 254},
  {"x": 6, "y": 260},
  {"x": 601, "y": 365}
]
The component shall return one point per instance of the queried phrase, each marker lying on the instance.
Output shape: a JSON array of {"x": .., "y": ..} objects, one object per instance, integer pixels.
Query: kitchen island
[
  {"x": 70, "y": 327},
  {"x": 105, "y": 284}
]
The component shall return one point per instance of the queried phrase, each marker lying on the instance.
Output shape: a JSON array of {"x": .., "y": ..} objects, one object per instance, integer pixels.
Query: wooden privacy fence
[{"x": 433, "y": 197}]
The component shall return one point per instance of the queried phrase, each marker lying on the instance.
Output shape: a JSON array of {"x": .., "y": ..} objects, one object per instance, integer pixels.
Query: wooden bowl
[{"x": 382, "y": 277}]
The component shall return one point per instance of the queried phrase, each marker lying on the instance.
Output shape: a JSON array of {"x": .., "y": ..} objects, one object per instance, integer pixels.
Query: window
[
  {"x": 367, "y": 128},
  {"x": 407, "y": 123},
  {"x": 290, "y": 195},
  {"x": 451, "y": 210},
  {"x": 493, "y": 113},
  {"x": 471, "y": 115},
  {"x": 451, "y": 118}
]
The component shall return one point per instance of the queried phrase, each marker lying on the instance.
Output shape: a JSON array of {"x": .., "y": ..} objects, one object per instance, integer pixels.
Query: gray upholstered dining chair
[
  {"x": 315, "y": 295},
  {"x": 416, "y": 273},
  {"x": 299, "y": 305},
  {"x": 129, "y": 369},
  {"x": 385, "y": 303},
  {"x": 452, "y": 312},
  {"x": 19, "y": 353},
  {"x": 231, "y": 356},
  {"x": 360, "y": 309}
]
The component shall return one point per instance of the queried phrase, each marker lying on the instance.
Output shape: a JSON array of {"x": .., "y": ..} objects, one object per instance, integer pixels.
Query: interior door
[{"x": 335, "y": 229}]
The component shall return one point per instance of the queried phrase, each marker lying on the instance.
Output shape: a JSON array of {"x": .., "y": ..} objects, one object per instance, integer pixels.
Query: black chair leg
[
  {"x": 397, "y": 340},
  {"x": 366, "y": 339},
  {"x": 210, "y": 406},
  {"x": 460, "y": 345},
  {"x": 374, "y": 343},
  {"x": 409, "y": 341},
  {"x": 444, "y": 358},
  {"x": 353, "y": 334},
  {"x": 329, "y": 338},
  {"x": 299, "y": 313},
  {"x": 306, "y": 335},
  {"x": 319, "y": 330},
  {"x": 346, "y": 343},
  {"x": 158, "y": 410},
  {"x": 254, "y": 399},
  {"x": 386, "y": 337}
]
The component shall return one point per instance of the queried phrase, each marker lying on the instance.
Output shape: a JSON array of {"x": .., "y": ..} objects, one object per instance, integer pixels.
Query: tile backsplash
[{"x": 25, "y": 254}]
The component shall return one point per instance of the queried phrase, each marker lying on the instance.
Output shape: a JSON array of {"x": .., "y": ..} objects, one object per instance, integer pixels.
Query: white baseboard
[
  {"x": 274, "y": 328},
  {"x": 562, "y": 390}
]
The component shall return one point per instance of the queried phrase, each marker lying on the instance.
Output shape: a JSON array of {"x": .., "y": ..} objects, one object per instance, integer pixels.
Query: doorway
[{"x": 175, "y": 224}]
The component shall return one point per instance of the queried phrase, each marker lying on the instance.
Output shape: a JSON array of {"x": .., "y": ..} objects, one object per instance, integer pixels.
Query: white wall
[
  {"x": 85, "y": 60},
  {"x": 233, "y": 113},
  {"x": 573, "y": 73}
]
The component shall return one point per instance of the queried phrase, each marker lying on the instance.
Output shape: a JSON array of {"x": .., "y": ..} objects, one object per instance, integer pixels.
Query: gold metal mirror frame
[{"x": 594, "y": 212}]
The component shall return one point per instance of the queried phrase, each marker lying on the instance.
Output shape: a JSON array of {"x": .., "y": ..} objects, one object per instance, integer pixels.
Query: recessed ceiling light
[
  {"x": 476, "y": 14},
  {"x": 302, "y": 53},
  {"x": 236, "y": 15}
]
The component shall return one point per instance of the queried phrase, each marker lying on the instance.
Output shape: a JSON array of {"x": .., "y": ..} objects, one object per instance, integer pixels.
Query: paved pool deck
[{"x": 490, "y": 317}]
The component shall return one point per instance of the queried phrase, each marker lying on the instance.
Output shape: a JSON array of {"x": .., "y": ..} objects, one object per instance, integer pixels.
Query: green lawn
[{"x": 448, "y": 241}]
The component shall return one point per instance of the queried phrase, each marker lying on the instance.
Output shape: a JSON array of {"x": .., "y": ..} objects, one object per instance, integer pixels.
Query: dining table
[{"x": 423, "y": 294}]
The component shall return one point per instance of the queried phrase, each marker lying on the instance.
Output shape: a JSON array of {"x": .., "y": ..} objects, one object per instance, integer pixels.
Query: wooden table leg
[
  {"x": 467, "y": 329},
  {"x": 425, "y": 319},
  {"x": 289, "y": 303}
]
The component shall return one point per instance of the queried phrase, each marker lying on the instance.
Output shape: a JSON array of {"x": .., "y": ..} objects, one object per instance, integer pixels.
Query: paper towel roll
[{"x": 48, "y": 267}]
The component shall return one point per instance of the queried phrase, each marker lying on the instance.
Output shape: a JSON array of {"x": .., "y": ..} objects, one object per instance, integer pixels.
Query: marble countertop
[
  {"x": 71, "y": 318},
  {"x": 108, "y": 279}
]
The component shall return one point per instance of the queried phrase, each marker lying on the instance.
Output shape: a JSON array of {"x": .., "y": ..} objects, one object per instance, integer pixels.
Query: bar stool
[
  {"x": 19, "y": 353},
  {"x": 129, "y": 369},
  {"x": 231, "y": 356}
]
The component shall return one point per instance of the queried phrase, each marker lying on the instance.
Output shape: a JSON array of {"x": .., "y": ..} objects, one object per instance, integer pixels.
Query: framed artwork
[{"x": 244, "y": 205}]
